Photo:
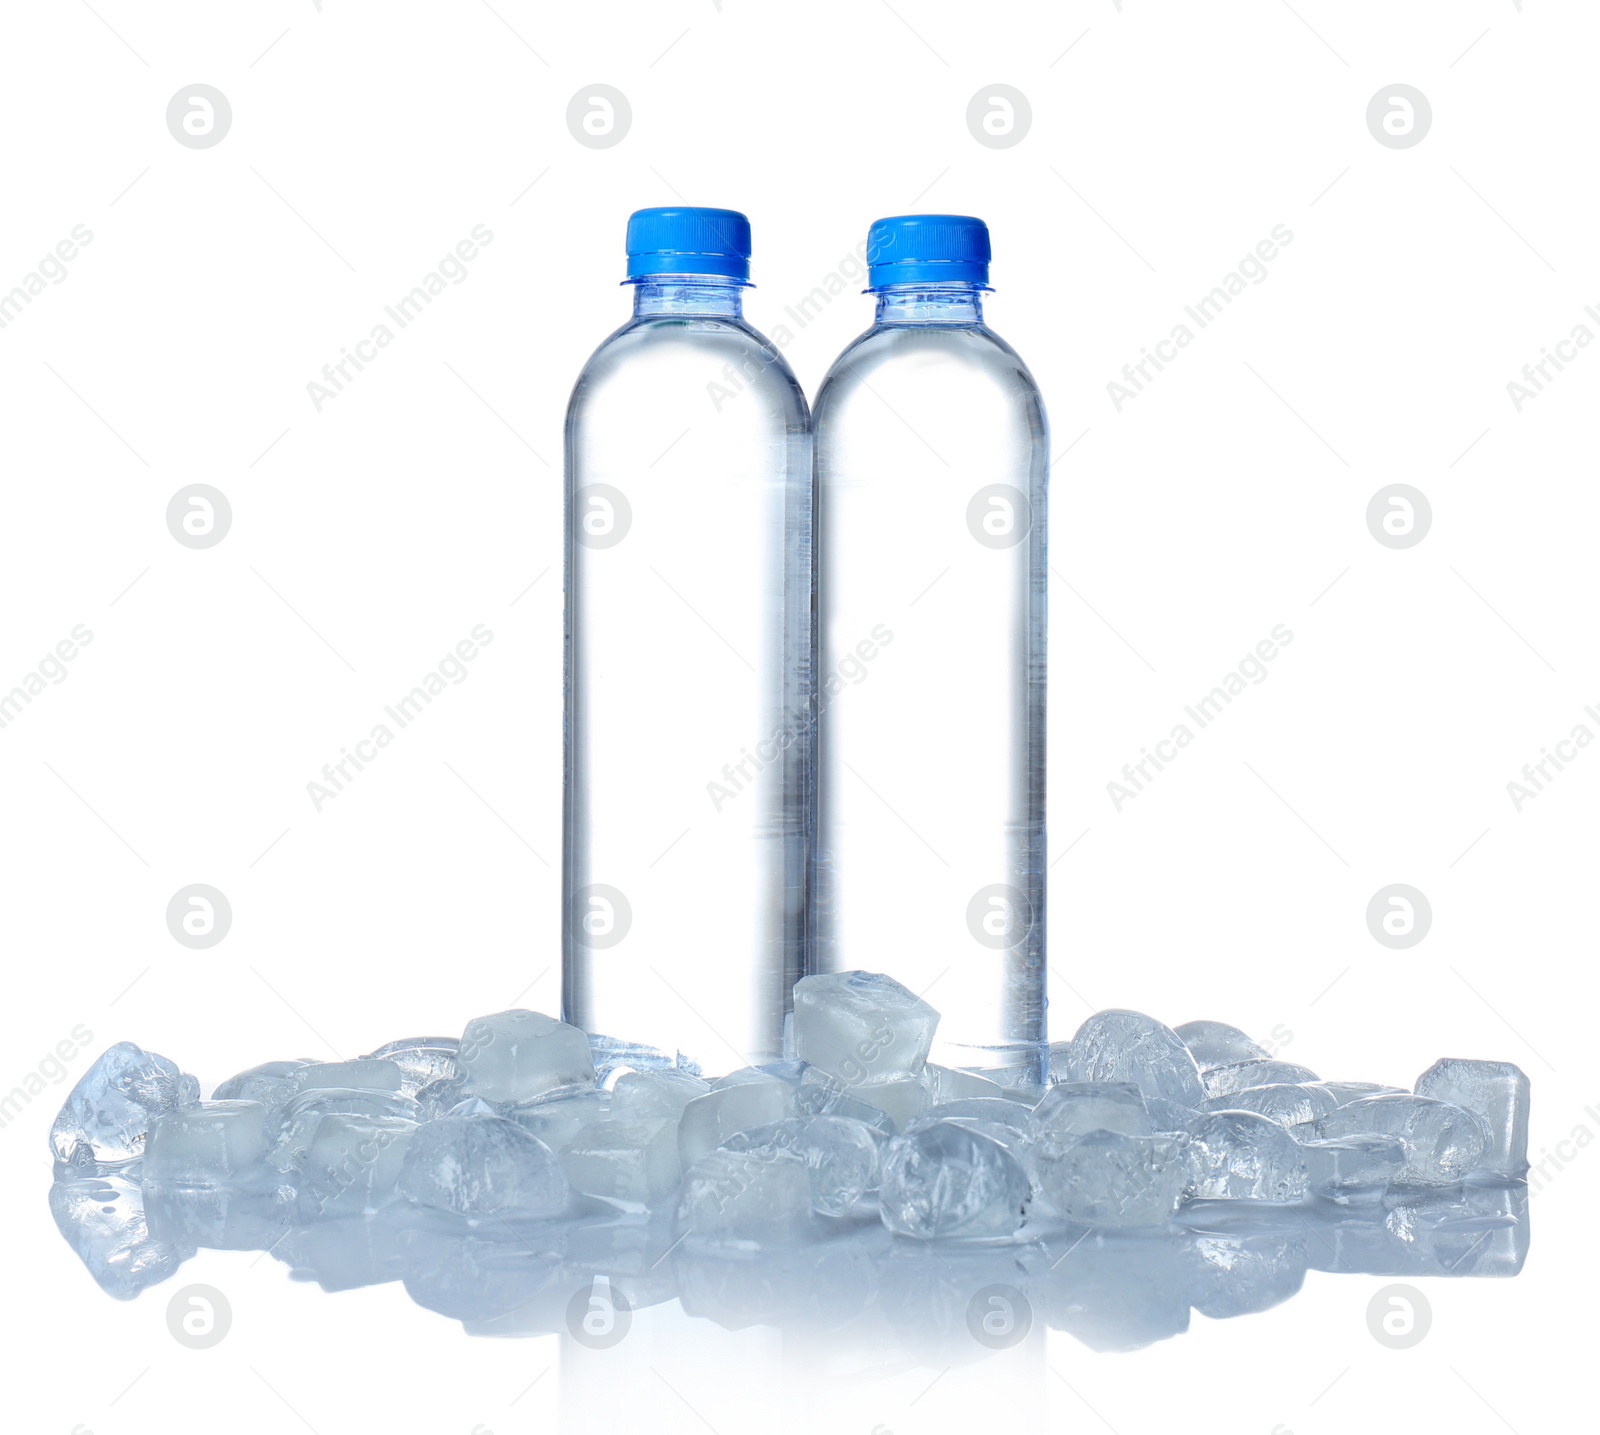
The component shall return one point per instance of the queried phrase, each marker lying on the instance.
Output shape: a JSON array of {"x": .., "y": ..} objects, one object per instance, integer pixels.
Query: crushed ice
[{"x": 489, "y": 1172}]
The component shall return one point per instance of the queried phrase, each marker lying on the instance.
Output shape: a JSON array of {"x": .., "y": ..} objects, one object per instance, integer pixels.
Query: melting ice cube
[
  {"x": 841, "y": 1155},
  {"x": 481, "y": 1165},
  {"x": 1215, "y": 1043},
  {"x": 1358, "y": 1167},
  {"x": 760, "y": 1197},
  {"x": 1109, "y": 1178},
  {"x": 367, "y": 1074},
  {"x": 945, "y": 1179},
  {"x": 212, "y": 1143},
  {"x": 108, "y": 1112},
  {"x": 272, "y": 1083},
  {"x": 1241, "y": 1075},
  {"x": 633, "y": 1162},
  {"x": 422, "y": 1060},
  {"x": 1497, "y": 1091},
  {"x": 1443, "y": 1141},
  {"x": 1075, "y": 1108},
  {"x": 900, "y": 1099},
  {"x": 1238, "y": 1155},
  {"x": 518, "y": 1055},
  {"x": 351, "y": 1165},
  {"x": 861, "y": 1027},
  {"x": 655, "y": 1095},
  {"x": 709, "y": 1120},
  {"x": 1287, "y": 1104},
  {"x": 1129, "y": 1046}
]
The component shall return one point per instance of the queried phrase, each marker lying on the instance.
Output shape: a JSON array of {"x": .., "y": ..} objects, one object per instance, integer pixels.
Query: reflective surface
[{"x": 861, "y": 1289}]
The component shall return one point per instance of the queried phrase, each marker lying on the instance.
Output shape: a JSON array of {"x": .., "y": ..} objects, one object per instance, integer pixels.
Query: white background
[{"x": 370, "y": 537}]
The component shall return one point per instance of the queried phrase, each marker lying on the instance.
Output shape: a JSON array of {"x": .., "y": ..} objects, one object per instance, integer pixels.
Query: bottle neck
[
  {"x": 945, "y": 303},
  {"x": 700, "y": 295}
]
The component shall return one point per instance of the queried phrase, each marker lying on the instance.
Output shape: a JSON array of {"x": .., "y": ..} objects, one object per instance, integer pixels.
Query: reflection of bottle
[
  {"x": 932, "y": 462},
  {"x": 688, "y": 647}
]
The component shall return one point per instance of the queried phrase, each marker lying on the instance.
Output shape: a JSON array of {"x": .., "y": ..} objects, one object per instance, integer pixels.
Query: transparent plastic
[
  {"x": 688, "y": 653},
  {"x": 929, "y": 854}
]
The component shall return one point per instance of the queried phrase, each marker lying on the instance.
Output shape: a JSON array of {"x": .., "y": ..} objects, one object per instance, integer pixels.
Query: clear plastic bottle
[
  {"x": 688, "y": 660},
  {"x": 932, "y": 465}
]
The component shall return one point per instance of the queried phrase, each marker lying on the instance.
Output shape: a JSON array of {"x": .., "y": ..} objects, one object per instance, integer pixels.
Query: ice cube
[
  {"x": 1358, "y": 1167},
  {"x": 654, "y": 1095},
  {"x": 518, "y": 1055},
  {"x": 1497, "y": 1091},
  {"x": 988, "y": 1112},
  {"x": 901, "y": 1098},
  {"x": 364, "y": 1075},
  {"x": 759, "y": 1197},
  {"x": 481, "y": 1165},
  {"x": 555, "y": 1120},
  {"x": 103, "y": 1220},
  {"x": 1238, "y": 1155},
  {"x": 634, "y": 1162},
  {"x": 300, "y": 1118},
  {"x": 845, "y": 1159},
  {"x": 861, "y": 1027},
  {"x": 823, "y": 1096},
  {"x": 1127, "y": 1046},
  {"x": 945, "y": 1179},
  {"x": 1285, "y": 1103},
  {"x": 1215, "y": 1043},
  {"x": 422, "y": 1060},
  {"x": 1075, "y": 1108},
  {"x": 351, "y": 1165},
  {"x": 1016, "y": 1132},
  {"x": 106, "y": 1115},
  {"x": 1170, "y": 1116},
  {"x": 841, "y": 1155},
  {"x": 612, "y": 1057},
  {"x": 946, "y": 1083},
  {"x": 709, "y": 1120},
  {"x": 788, "y": 1072},
  {"x": 439, "y": 1098},
  {"x": 1344, "y": 1092},
  {"x": 272, "y": 1083},
  {"x": 1241, "y": 1075},
  {"x": 213, "y": 1143},
  {"x": 1110, "y": 1178},
  {"x": 1443, "y": 1141}
]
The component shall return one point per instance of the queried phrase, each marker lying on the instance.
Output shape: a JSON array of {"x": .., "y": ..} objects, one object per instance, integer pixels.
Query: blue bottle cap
[
  {"x": 928, "y": 249},
  {"x": 688, "y": 241}
]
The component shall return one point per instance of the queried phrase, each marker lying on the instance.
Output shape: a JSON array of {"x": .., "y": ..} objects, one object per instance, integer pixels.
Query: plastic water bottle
[
  {"x": 688, "y": 657},
  {"x": 932, "y": 466}
]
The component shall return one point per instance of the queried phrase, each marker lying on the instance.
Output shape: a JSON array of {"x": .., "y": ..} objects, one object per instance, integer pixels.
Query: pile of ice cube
[{"x": 528, "y": 1119}]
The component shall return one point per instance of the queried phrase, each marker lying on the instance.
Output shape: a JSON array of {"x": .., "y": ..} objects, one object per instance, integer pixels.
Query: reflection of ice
[
  {"x": 899, "y": 1298},
  {"x": 103, "y": 1219}
]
